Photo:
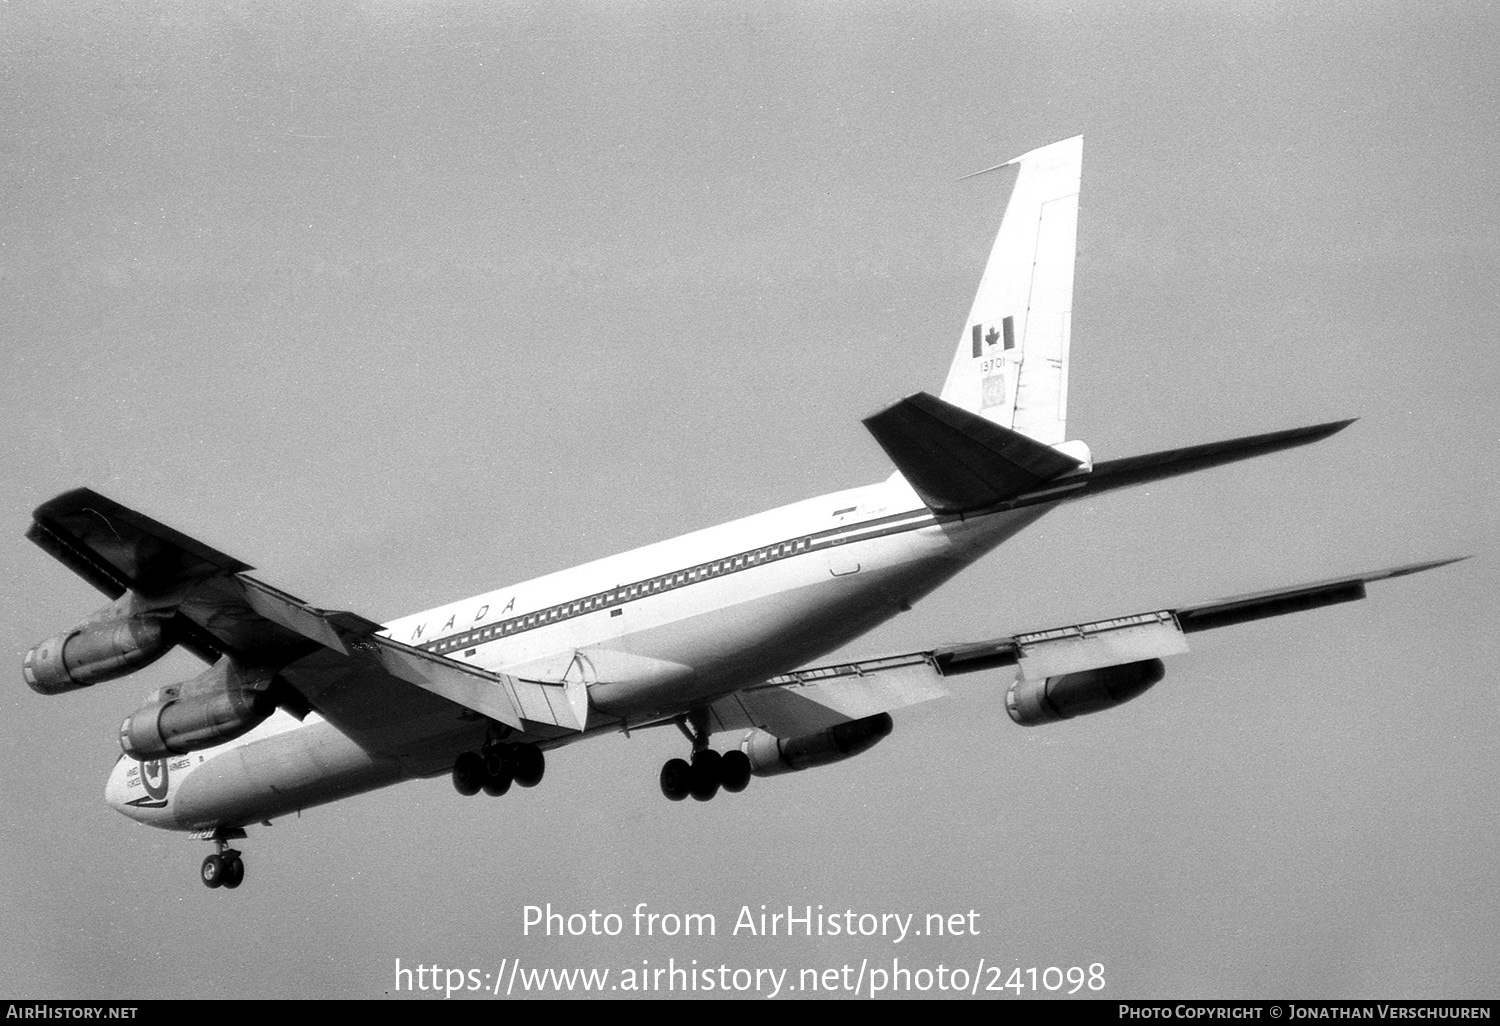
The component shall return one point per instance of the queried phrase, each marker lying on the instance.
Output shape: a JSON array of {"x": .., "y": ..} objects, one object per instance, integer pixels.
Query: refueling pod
[{"x": 770, "y": 755}]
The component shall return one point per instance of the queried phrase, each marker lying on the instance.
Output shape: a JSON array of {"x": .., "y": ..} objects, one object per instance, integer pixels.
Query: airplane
[{"x": 716, "y": 632}]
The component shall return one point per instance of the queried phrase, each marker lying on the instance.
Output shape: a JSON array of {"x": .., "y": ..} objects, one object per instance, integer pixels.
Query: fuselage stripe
[{"x": 483, "y": 633}]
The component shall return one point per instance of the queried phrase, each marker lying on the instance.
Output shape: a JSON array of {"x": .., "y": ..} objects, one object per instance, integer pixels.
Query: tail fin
[{"x": 1012, "y": 361}]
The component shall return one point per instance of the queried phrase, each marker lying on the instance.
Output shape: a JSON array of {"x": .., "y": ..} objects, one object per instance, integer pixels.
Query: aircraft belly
[{"x": 277, "y": 775}]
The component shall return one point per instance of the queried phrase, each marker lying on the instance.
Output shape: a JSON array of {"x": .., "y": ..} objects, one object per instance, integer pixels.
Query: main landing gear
[
  {"x": 708, "y": 771},
  {"x": 224, "y": 868},
  {"x": 494, "y": 768}
]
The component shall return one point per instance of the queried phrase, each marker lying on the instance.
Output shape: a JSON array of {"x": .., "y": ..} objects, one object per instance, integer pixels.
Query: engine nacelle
[
  {"x": 1031, "y": 702},
  {"x": 173, "y": 725},
  {"x": 96, "y": 652},
  {"x": 770, "y": 754}
]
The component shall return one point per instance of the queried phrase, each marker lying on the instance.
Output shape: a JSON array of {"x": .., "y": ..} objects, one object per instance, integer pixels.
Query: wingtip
[
  {"x": 69, "y": 500},
  {"x": 1333, "y": 427},
  {"x": 1318, "y": 432},
  {"x": 1416, "y": 568}
]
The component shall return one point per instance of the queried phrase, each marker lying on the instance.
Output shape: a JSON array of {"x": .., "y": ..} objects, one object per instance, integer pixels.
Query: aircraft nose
[
  {"x": 140, "y": 791},
  {"x": 114, "y": 786}
]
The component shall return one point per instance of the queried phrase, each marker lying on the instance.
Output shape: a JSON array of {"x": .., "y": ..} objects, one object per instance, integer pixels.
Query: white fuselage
[
  {"x": 664, "y": 631},
  {"x": 653, "y": 633}
]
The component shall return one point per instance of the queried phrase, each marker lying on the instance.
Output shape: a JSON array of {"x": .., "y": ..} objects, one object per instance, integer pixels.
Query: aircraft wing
[
  {"x": 825, "y": 696},
  {"x": 376, "y": 690}
]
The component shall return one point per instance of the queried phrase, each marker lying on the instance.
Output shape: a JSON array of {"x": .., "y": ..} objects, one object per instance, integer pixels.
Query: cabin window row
[{"x": 615, "y": 596}]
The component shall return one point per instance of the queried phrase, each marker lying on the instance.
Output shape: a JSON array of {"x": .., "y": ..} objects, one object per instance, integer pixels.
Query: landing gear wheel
[
  {"x": 528, "y": 764},
  {"x": 234, "y": 870},
  {"x": 213, "y": 872},
  {"x": 734, "y": 771},
  {"x": 497, "y": 775},
  {"x": 705, "y": 774},
  {"x": 676, "y": 778},
  {"x": 468, "y": 773}
]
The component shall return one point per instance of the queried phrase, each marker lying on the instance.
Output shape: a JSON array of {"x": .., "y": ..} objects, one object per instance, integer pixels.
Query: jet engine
[
  {"x": 1032, "y": 702},
  {"x": 96, "y": 651},
  {"x": 215, "y": 707},
  {"x": 770, "y": 754}
]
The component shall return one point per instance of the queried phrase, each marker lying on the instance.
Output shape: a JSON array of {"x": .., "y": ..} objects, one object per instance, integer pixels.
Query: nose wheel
[
  {"x": 224, "y": 868},
  {"x": 708, "y": 771}
]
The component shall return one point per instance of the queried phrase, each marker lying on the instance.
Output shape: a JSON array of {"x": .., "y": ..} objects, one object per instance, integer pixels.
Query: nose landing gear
[{"x": 224, "y": 868}]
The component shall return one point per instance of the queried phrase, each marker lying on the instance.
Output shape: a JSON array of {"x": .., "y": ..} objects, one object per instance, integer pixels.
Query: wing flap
[
  {"x": 821, "y": 697},
  {"x": 812, "y": 700},
  {"x": 331, "y": 629},
  {"x": 1125, "y": 639},
  {"x": 489, "y": 694}
]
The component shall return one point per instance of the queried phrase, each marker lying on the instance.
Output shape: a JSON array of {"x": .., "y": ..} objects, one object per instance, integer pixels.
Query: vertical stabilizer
[{"x": 1011, "y": 366}]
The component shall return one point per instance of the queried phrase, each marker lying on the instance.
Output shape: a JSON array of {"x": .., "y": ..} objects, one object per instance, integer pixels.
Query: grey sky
[{"x": 403, "y": 302}]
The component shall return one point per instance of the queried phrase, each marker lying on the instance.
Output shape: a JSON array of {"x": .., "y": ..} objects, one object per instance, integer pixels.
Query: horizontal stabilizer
[
  {"x": 1133, "y": 470},
  {"x": 958, "y": 461}
]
